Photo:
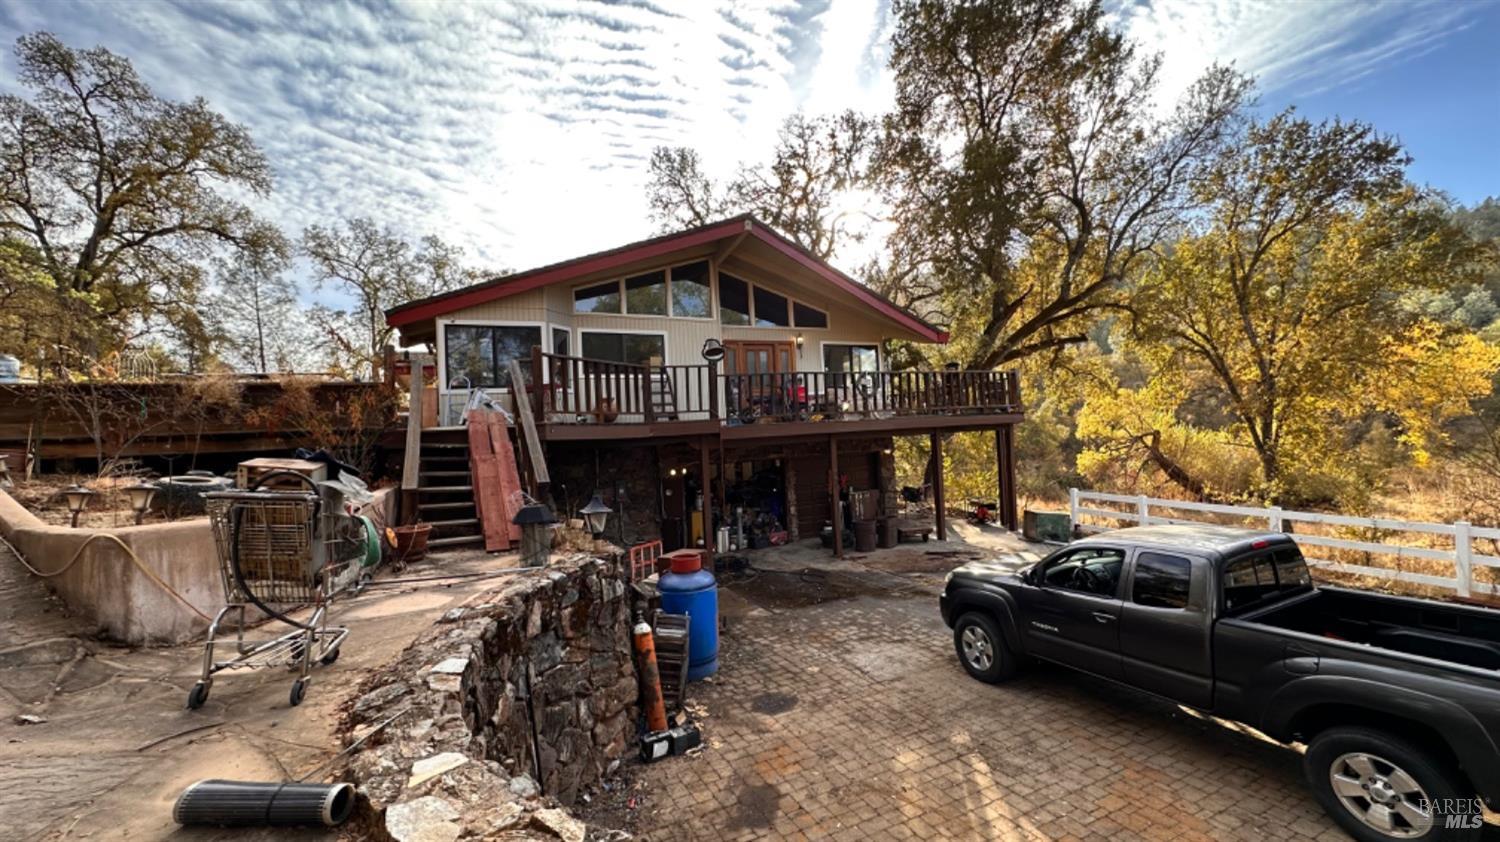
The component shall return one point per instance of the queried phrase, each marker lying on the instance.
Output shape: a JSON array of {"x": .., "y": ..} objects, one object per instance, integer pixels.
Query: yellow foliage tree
[{"x": 1281, "y": 325}]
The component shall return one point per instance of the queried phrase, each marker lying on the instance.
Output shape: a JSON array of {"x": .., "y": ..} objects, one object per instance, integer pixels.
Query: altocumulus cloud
[
  {"x": 518, "y": 130},
  {"x": 521, "y": 130}
]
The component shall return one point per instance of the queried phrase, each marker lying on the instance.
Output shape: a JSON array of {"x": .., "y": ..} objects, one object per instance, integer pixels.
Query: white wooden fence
[{"x": 1462, "y": 556}]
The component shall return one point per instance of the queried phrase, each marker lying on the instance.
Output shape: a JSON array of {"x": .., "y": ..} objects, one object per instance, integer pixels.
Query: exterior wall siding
[{"x": 552, "y": 307}]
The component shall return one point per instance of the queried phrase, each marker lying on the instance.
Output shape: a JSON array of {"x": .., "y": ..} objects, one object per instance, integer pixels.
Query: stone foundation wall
[
  {"x": 509, "y": 707},
  {"x": 627, "y": 478}
]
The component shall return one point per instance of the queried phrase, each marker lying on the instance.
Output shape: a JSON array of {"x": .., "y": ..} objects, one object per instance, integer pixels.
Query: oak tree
[
  {"x": 120, "y": 196},
  {"x": 1028, "y": 131}
]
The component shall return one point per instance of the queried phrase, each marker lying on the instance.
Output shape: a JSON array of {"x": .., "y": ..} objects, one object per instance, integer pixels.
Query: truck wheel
[
  {"x": 982, "y": 649},
  {"x": 1379, "y": 787}
]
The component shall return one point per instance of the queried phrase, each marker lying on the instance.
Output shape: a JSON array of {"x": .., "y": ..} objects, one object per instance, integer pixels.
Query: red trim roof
[{"x": 508, "y": 285}]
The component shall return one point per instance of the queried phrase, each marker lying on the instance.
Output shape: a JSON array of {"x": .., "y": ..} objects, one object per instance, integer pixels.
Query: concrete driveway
[{"x": 841, "y": 713}]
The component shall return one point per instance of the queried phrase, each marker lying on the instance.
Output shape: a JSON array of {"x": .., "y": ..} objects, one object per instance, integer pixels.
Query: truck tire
[
  {"x": 982, "y": 648},
  {"x": 1375, "y": 786}
]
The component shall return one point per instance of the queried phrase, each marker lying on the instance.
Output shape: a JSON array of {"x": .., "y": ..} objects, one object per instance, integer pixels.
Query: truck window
[
  {"x": 1252, "y": 578},
  {"x": 1092, "y": 570},
  {"x": 1161, "y": 581}
]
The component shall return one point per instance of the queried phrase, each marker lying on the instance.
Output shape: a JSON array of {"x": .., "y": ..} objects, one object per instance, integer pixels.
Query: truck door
[
  {"x": 1073, "y": 609},
  {"x": 1165, "y": 643}
]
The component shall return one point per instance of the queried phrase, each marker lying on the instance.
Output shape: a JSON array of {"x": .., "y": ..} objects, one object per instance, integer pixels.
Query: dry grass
[{"x": 108, "y": 508}]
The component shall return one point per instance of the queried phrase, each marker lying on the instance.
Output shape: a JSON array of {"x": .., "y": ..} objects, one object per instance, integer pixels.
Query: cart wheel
[
  {"x": 330, "y": 656},
  {"x": 299, "y": 689},
  {"x": 197, "y": 696},
  {"x": 294, "y": 653}
]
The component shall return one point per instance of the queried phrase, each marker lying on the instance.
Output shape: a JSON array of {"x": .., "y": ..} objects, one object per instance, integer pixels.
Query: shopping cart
[{"x": 281, "y": 552}]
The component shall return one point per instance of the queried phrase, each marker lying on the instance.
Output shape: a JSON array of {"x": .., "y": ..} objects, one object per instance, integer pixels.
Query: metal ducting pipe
[{"x": 254, "y": 804}]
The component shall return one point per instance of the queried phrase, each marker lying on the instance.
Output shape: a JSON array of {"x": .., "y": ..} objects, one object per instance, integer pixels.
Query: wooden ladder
[{"x": 663, "y": 395}]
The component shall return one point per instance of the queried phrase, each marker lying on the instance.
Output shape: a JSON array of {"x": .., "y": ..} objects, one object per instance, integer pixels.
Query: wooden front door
[{"x": 754, "y": 370}]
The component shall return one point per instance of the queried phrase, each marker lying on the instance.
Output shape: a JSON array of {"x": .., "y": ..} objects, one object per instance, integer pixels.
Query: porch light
[
  {"x": 77, "y": 497},
  {"x": 799, "y": 341},
  {"x": 713, "y": 350},
  {"x": 594, "y": 515},
  {"x": 140, "y": 498}
]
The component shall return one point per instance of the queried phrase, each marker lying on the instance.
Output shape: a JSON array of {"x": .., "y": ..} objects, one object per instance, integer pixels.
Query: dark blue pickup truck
[{"x": 1396, "y": 699}]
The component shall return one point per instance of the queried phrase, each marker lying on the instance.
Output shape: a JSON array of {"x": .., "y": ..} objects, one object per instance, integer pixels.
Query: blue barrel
[{"x": 689, "y": 589}]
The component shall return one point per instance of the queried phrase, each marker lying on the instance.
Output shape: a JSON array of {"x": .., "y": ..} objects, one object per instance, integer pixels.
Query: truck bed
[{"x": 1453, "y": 633}]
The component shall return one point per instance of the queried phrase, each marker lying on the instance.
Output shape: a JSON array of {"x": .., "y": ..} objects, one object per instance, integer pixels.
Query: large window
[
  {"x": 681, "y": 292},
  {"x": 734, "y": 301},
  {"x": 805, "y": 316},
  {"x": 634, "y": 348},
  {"x": 690, "y": 292},
  {"x": 478, "y": 356},
  {"x": 840, "y": 360},
  {"x": 646, "y": 295},
  {"x": 1161, "y": 581},
  {"x": 771, "y": 309},
  {"x": 599, "y": 298}
]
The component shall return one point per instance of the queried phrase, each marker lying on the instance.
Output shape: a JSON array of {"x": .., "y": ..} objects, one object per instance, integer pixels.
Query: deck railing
[
  {"x": 581, "y": 390},
  {"x": 803, "y": 396}
]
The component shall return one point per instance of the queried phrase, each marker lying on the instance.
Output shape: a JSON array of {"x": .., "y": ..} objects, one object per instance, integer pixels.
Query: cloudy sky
[{"x": 521, "y": 130}]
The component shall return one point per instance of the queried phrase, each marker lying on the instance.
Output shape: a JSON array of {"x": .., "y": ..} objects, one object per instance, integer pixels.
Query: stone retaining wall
[{"x": 467, "y": 755}]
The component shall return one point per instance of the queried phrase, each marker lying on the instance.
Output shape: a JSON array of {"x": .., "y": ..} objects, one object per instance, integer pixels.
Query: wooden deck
[
  {"x": 187, "y": 415},
  {"x": 595, "y": 400}
]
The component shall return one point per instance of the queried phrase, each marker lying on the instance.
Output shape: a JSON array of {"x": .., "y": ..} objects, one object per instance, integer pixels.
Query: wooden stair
[{"x": 445, "y": 490}]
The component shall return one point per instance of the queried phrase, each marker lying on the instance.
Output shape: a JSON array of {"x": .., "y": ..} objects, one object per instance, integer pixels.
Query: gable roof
[{"x": 504, "y": 286}]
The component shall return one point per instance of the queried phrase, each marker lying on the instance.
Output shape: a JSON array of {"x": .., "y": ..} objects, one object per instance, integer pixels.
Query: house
[{"x": 723, "y": 352}]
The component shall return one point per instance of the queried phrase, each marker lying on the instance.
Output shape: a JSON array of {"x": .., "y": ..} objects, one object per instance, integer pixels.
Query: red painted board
[
  {"x": 510, "y": 474},
  {"x": 489, "y": 500}
]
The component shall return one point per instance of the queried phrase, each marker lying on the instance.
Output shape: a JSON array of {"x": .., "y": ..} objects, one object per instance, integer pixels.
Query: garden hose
[{"x": 234, "y": 547}]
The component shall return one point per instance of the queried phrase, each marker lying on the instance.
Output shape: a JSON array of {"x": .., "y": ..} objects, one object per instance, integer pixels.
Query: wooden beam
[
  {"x": 728, "y": 246},
  {"x": 411, "y": 456},
  {"x": 533, "y": 442},
  {"x": 900, "y": 425},
  {"x": 835, "y": 515},
  {"x": 708, "y": 506},
  {"x": 938, "y": 502},
  {"x": 1005, "y": 471}
]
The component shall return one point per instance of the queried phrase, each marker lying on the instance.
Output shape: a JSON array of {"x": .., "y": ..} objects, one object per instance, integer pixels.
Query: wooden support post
[
  {"x": 938, "y": 503},
  {"x": 713, "y": 390},
  {"x": 1005, "y": 467},
  {"x": 708, "y": 505},
  {"x": 531, "y": 442},
  {"x": 542, "y": 390},
  {"x": 411, "y": 457},
  {"x": 836, "y": 515}
]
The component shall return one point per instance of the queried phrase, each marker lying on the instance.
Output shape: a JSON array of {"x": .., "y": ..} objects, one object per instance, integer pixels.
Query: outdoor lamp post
[
  {"x": 594, "y": 515},
  {"x": 140, "y": 498},
  {"x": 78, "y": 498}
]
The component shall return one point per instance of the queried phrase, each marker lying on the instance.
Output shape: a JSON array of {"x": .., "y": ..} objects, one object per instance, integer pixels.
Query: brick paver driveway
[{"x": 851, "y": 719}]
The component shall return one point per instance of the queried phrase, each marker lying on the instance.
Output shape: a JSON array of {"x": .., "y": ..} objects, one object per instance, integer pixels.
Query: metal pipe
[{"x": 255, "y": 804}]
